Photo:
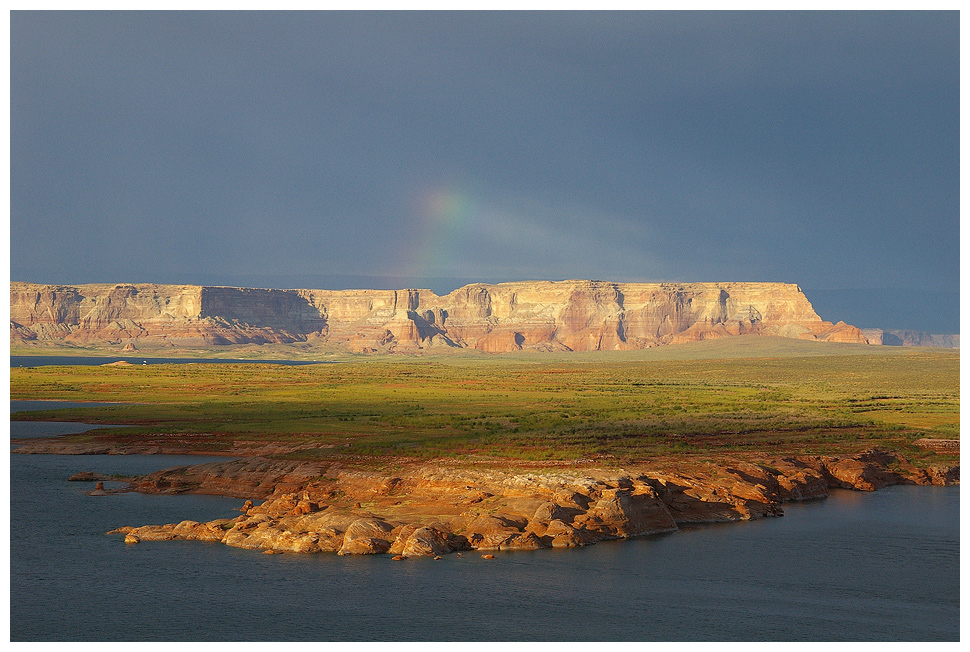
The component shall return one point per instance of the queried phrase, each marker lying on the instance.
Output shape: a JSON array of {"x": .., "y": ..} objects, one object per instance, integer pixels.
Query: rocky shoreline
[{"x": 430, "y": 509}]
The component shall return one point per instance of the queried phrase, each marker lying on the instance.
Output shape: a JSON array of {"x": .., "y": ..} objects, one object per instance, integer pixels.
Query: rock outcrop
[
  {"x": 939, "y": 445},
  {"x": 431, "y": 510},
  {"x": 536, "y": 315},
  {"x": 890, "y": 337}
]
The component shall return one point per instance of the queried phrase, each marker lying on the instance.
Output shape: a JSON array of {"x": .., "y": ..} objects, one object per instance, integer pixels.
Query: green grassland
[{"x": 749, "y": 394}]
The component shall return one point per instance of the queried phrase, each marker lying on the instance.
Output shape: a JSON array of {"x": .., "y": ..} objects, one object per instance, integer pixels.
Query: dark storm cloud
[{"x": 252, "y": 148}]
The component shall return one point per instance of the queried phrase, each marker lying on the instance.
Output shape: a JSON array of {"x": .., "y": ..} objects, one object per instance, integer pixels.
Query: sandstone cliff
[{"x": 536, "y": 315}]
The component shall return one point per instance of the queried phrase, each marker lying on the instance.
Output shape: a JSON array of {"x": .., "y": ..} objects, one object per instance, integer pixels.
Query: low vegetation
[{"x": 756, "y": 395}]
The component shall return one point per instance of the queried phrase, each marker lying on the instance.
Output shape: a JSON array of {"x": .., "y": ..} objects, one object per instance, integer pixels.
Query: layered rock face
[
  {"x": 433, "y": 510},
  {"x": 536, "y": 315},
  {"x": 895, "y": 337},
  {"x": 177, "y": 314}
]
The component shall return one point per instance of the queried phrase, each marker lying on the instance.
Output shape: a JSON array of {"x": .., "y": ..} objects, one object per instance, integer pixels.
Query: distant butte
[{"x": 529, "y": 315}]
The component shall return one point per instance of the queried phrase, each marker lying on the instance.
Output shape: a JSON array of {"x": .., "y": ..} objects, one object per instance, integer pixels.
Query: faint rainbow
[{"x": 442, "y": 217}]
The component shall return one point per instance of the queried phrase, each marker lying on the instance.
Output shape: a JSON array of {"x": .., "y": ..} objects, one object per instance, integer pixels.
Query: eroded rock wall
[{"x": 539, "y": 315}]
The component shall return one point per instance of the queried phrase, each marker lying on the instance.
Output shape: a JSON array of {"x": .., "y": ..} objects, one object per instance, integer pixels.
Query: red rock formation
[
  {"x": 539, "y": 315},
  {"x": 431, "y": 511}
]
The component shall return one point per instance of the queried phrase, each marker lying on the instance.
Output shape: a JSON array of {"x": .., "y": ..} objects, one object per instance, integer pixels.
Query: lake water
[
  {"x": 32, "y": 429},
  {"x": 44, "y": 360},
  {"x": 879, "y": 567}
]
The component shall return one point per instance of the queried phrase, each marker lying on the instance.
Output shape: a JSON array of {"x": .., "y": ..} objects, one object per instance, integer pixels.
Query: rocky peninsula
[{"x": 429, "y": 509}]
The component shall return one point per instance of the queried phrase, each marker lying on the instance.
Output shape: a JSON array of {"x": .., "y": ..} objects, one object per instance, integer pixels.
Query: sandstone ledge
[{"x": 429, "y": 510}]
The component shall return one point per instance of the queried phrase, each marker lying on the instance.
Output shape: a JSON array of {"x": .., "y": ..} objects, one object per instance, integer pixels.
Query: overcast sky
[{"x": 328, "y": 149}]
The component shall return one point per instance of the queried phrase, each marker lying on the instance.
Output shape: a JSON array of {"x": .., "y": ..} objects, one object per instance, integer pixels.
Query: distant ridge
[
  {"x": 573, "y": 315},
  {"x": 901, "y": 337}
]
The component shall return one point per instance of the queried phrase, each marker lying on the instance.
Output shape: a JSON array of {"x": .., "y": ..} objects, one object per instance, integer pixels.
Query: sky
[{"x": 413, "y": 149}]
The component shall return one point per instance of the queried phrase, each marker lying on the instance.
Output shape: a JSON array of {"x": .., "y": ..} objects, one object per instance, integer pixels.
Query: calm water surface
[
  {"x": 32, "y": 429},
  {"x": 879, "y": 566}
]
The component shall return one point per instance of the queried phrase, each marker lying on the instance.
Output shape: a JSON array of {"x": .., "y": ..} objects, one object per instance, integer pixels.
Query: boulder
[
  {"x": 366, "y": 537},
  {"x": 364, "y": 546},
  {"x": 151, "y": 533},
  {"x": 562, "y": 535},
  {"x": 98, "y": 490},
  {"x": 866, "y": 471},
  {"x": 492, "y": 532},
  {"x": 547, "y": 512},
  {"x": 522, "y": 541},
  {"x": 430, "y": 541},
  {"x": 397, "y": 547},
  {"x": 621, "y": 513}
]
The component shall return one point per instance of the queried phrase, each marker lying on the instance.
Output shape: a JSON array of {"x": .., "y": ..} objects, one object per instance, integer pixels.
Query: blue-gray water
[
  {"x": 879, "y": 566},
  {"x": 31, "y": 429},
  {"x": 45, "y": 360}
]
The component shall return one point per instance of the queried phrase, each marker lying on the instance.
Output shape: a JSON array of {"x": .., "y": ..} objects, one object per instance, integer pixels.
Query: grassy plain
[{"x": 746, "y": 394}]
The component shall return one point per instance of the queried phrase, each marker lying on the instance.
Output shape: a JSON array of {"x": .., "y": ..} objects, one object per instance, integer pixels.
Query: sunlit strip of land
[{"x": 745, "y": 394}]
